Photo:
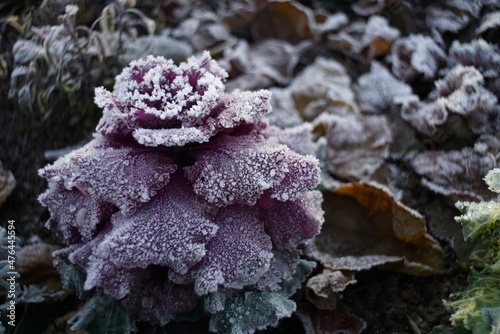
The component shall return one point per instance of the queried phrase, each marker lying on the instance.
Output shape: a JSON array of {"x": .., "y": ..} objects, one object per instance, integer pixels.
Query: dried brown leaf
[
  {"x": 365, "y": 41},
  {"x": 35, "y": 266},
  {"x": 266, "y": 19},
  {"x": 366, "y": 227}
]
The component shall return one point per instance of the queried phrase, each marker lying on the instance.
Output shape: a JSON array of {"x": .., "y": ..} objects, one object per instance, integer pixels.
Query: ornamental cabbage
[{"x": 186, "y": 200}]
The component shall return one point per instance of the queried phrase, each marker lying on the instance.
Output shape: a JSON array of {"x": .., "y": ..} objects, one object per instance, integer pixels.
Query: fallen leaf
[
  {"x": 458, "y": 174},
  {"x": 365, "y": 227},
  {"x": 35, "y": 266},
  {"x": 354, "y": 145}
]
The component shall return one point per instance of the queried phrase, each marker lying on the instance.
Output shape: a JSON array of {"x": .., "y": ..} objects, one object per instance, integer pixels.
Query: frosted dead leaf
[
  {"x": 377, "y": 90},
  {"x": 354, "y": 146},
  {"x": 366, "y": 227},
  {"x": 452, "y": 15},
  {"x": 268, "y": 62},
  {"x": 365, "y": 41},
  {"x": 323, "y": 86},
  {"x": 458, "y": 174},
  {"x": 415, "y": 56},
  {"x": 266, "y": 19}
]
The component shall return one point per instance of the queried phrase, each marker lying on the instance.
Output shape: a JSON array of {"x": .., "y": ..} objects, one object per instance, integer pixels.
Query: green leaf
[
  {"x": 250, "y": 311},
  {"x": 480, "y": 219},
  {"x": 491, "y": 316},
  {"x": 103, "y": 314},
  {"x": 303, "y": 269},
  {"x": 71, "y": 278},
  {"x": 483, "y": 293}
]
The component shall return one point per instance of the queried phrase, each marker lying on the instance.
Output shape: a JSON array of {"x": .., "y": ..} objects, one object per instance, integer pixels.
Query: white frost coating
[
  {"x": 416, "y": 55},
  {"x": 238, "y": 255},
  {"x": 153, "y": 235},
  {"x": 484, "y": 56},
  {"x": 377, "y": 89},
  {"x": 323, "y": 86},
  {"x": 244, "y": 167},
  {"x": 115, "y": 175},
  {"x": 462, "y": 92},
  {"x": 355, "y": 145}
]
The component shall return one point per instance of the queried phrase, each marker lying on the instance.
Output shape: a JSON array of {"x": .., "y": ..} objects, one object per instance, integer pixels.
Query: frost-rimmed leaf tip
[{"x": 186, "y": 200}]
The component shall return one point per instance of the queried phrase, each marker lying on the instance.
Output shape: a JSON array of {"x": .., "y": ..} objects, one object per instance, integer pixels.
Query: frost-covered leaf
[
  {"x": 451, "y": 15},
  {"x": 366, "y": 227},
  {"x": 153, "y": 235},
  {"x": 243, "y": 167},
  {"x": 267, "y": 18},
  {"x": 263, "y": 64},
  {"x": 236, "y": 108},
  {"x": 297, "y": 138},
  {"x": 323, "y": 86},
  {"x": 365, "y": 41},
  {"x": 489, "y": 22},
  {"x": 238, "y": 255},
  {"x": 290, "y": 223},
  {"x": 484, "y": 56},
  {"x": 456, "y": 174},
  {"x": 29, "y": 294},
  {"x": 203, "y": 29},
  {"x": 99, "y": 176},
  {"x": 154, "y": 93},
  {"x": 323, "y": 289},
  {"x": 479, "y": 218},
  {"x": 284, "y": 112},
  {"x": 426, "y": 117},
  {"x": 493, "y": 180},
  {"x": 414, "y": 56},
  {"x": 355, "y": 146},
  {"x": 102, "y": 314},
  {"x": 461, "y": 91},
  {"x": 250, "y": 311},
  {"x": 125, "y": 177},
  {"x": 377, "y": 89}
]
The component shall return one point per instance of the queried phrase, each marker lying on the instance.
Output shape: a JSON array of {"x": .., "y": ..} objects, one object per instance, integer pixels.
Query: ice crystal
[{"x": 186, "y": 197}]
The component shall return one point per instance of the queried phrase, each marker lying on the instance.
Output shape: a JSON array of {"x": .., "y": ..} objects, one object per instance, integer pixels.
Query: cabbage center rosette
[{"x": 185, "y": 200}]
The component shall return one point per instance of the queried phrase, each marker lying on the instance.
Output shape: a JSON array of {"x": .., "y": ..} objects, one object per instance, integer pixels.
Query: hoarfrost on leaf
[
  {"x": 377, "y": 90},
  {"x": 456, "y": 174},
  {"x": 323, "y": 86},
  {"x": 238, "y": 255},
  {"x": 355, "y": 146},
  {"x": 365, "y": 41},
  {"x": 242, "y": 168},
  {"x": 451, "y": 15},
  {"x": 480, "y": 54},
  {"x": 414, "y": 56},
  {"x": 153, "y": 235}
]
